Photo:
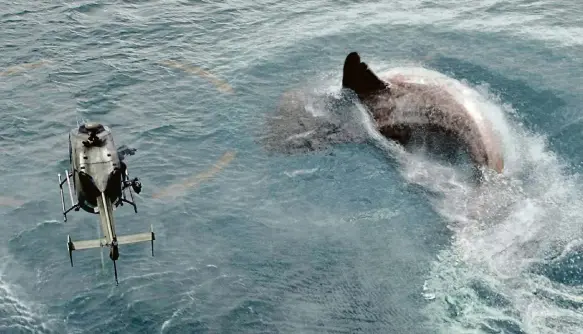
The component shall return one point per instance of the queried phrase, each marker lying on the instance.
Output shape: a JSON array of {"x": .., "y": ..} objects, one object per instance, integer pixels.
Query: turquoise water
[{"x": 355, "y": 237}]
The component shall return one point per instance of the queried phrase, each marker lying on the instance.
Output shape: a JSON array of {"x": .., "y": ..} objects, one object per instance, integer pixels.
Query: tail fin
[{"x": 358, "y": 77}]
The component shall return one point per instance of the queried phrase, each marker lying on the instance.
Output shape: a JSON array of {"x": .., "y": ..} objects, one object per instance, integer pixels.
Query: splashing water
[{"x": 507, "y": 231}]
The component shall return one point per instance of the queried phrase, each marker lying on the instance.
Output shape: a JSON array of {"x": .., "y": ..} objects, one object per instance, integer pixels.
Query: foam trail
[{"x": 508, "y": 232}]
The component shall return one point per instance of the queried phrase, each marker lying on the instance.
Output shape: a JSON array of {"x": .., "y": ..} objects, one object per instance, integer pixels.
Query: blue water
[{"x": 355, "y": 237}]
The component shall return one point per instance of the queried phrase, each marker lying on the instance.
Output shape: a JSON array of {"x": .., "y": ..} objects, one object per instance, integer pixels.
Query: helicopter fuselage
[
  {"x": 95, "y": 165},
  {"x": 100, "y": 180}
]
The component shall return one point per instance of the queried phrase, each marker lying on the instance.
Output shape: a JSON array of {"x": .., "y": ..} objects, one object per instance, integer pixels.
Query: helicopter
[{"x": 100, "y": 180}]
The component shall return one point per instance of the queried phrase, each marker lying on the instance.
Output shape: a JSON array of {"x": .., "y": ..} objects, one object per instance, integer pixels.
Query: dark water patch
[
  {"x": 488, "y": 296},
  {"x": 44, "y": 8},
  {"x": 560, "y": 300},
  {"x": 499, "y": 8},
  {"x": 495, "y": 326},
  {"x": 568, "y": 142},
  {"x": 567, "y": 270},
  {"x": 19, "y": 13}
]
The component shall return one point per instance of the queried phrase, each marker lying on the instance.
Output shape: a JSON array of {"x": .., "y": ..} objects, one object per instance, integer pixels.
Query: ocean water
[{"x": 357, "y": 236}]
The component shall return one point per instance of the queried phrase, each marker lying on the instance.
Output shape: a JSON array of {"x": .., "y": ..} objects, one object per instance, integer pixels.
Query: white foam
[{"x": 500, "y": 228}]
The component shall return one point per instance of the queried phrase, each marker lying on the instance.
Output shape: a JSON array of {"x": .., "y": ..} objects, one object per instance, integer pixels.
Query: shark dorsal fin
[{"x": 360, "y": 78}]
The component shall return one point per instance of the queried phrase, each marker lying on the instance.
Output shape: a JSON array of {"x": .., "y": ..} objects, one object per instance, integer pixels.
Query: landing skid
[
  {"x": 127, "y": 186},
  {"x": 74, "y": 205}
]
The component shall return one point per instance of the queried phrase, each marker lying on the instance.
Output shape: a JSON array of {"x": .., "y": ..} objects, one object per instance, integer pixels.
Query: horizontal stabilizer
[
  {"x": 121, "y": 240},
  {"x": 133, "y": 238},
  {"x": 86, "y": 244},
  {"x": 139, "y": 237}
]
